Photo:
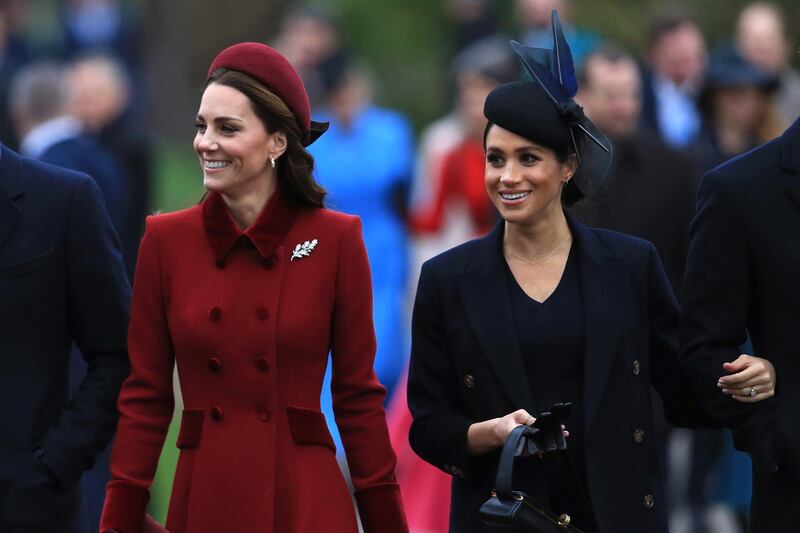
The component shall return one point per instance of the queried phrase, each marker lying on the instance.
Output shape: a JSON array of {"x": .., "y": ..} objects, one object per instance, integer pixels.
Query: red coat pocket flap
[
  {"x": 309, "y": 427},
  {"x": 191, "y": 427}
]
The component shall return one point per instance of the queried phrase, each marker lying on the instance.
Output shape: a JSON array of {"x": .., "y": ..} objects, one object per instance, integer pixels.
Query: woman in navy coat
[{"x": 546, "y": 310}]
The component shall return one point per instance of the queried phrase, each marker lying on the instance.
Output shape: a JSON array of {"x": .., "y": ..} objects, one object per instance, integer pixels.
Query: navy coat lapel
[
  {"x": 600, "y": 284},
  {"x": 484, "y": 294},
  {"x": 486, "y": 303},
  {"x": 790, "y": 160},
  {"x": 11, "y": 187}
]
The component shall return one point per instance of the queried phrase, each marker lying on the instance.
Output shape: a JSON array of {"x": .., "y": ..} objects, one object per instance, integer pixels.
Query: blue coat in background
[{"x": 363, "y": 167}]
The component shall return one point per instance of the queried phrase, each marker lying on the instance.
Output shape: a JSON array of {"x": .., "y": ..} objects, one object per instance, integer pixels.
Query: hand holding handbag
[{"x": 510, "y": 508}]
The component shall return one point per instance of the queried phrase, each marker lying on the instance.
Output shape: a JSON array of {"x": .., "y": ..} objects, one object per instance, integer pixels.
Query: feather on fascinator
[{"x": 553, "y": 71}]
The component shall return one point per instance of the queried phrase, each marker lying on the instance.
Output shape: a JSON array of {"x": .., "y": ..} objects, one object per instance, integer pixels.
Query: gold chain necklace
[{"x": 537, "y": 261}]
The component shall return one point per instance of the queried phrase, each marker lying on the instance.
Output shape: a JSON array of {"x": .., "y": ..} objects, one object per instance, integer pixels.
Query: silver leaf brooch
[{"x": 304, "y": 249}]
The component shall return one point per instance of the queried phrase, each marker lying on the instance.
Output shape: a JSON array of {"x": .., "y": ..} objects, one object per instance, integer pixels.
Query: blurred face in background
[
  {"x": 536, "y": 13},
  {"x": 307, "y": 40},
  {"x": 739, "y": 108},
  {"x": 680, "y": 55},
  {"x": 761, "y": 38},
  {"x": 98, "y": 93},
  {"x": 473, "y": 88},
  {"x": 611, "y": 95},
  {"x": 349, "y": 97}
]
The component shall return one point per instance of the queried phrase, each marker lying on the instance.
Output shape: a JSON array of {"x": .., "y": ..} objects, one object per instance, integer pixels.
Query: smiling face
[
  {"x": 233, "y": 145},
  {"x": 524, "y": 179}
]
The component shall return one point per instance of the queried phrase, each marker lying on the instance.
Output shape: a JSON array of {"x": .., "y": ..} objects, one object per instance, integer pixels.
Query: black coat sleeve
[
  {"x": 439, "y": 430},
  {"x": 98, "y": 307},
  {"x": 681, "y": 406},
  {"x": 715, "y": 299}
]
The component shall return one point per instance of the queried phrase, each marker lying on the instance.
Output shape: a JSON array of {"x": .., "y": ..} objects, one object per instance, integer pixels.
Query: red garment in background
[
  {"x": 425, "y": 488},
  {"x": 462, "y": 181}
]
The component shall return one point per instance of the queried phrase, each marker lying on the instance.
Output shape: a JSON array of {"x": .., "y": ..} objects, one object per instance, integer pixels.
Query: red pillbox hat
[{"x": 276, "y": 73}]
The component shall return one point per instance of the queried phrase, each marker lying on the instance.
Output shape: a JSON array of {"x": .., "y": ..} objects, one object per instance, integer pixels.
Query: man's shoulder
[
  {"x": 40, "y": 175},
  {"x": 455, "y": 259},
  {"x": 750, "y": 170}
]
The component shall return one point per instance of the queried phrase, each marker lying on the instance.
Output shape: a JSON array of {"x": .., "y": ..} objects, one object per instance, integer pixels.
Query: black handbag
[{"x": 514, "y": 509}]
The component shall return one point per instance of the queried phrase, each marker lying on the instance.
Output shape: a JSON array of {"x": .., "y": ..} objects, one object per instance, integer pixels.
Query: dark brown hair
[
  {"x": 570, "y": 193},
  {"x": 296, "y": 166}
]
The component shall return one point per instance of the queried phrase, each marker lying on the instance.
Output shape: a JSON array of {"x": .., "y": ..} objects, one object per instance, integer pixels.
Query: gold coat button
[
  {"x": 636, "y": 368},
  {"x": 469, "y": 381},
  {"x": 648, "y": 501},
  {"x": 638, "y": 436}
]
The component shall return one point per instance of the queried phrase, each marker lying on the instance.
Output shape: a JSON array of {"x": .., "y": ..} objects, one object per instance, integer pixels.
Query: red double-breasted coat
[{"x": 250, "y": 324}]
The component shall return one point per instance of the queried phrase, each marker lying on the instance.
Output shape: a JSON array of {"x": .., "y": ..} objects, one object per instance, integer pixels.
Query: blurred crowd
[{"x": 673, "y": 112}]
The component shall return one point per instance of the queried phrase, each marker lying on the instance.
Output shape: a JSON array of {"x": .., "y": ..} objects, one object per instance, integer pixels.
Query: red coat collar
[{"x": 266, "y": 233}]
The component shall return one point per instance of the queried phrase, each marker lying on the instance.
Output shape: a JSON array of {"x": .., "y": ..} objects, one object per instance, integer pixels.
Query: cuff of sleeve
[
  {"x": 124, "y": 508},
  {"x": 381, "y": 509}
]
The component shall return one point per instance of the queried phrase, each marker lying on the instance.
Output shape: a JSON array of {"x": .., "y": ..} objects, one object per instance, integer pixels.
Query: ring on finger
[{"x": 753, "y": 391}]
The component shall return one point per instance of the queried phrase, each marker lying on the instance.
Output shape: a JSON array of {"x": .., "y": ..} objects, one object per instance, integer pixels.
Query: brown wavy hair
[{"x": 296, "y": 166}]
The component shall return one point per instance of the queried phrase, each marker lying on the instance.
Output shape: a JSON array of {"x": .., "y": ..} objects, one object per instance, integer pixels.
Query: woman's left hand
[{"x": 750, "y": 379}]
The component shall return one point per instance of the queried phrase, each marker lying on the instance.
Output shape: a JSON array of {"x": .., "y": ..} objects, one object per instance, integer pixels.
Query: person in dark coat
[
  {"x": 738, "y": 112},
  {"x": 39, "y": 99},
  {"x": 61, "y": 281},
  {"x": 101, "y": 98},
  {"x": 546, "y": 310},
  {"x": 676, "y": 58},
  {"x": 741, "y": 279},
  {"x": 49, "y": 134},
  {"x": 650, "y": 189}
]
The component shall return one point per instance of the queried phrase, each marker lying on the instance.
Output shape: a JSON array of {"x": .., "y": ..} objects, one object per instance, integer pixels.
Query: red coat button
[
  {"x": 216, "y": 414},
  {"x": 220, "y": 263},
  {"x": 214, "y": 364},
  {"x": 262, "y": 313},
  {"x": 263, "y": 414},
  {"x": 215, "y": 313},
  {"x": 269, "y": 262},
  {"x": 262, "y": 363}
]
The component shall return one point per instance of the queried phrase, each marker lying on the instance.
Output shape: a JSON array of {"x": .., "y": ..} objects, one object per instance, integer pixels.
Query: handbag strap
[{"x": 505, "y": 468}]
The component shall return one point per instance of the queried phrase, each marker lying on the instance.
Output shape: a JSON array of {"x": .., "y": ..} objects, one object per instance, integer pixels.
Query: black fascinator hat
[{"x": 544, "y": 111}]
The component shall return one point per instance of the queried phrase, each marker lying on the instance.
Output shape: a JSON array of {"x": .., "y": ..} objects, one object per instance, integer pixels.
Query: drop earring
[{"x": 272, "y": 162}]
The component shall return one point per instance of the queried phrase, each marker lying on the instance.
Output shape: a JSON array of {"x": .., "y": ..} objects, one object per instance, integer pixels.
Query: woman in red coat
[{"x": 248, "y": 292}]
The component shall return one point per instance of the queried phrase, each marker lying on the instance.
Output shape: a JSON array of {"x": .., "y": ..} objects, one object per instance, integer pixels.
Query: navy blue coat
[
  {"x": 742, "y": 277},
  {"x": 61, "y": 281},
  {"x": 466, "y": 367}
]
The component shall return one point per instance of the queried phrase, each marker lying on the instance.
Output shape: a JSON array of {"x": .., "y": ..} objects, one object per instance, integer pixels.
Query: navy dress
[{"x": 551, "y": 337}]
